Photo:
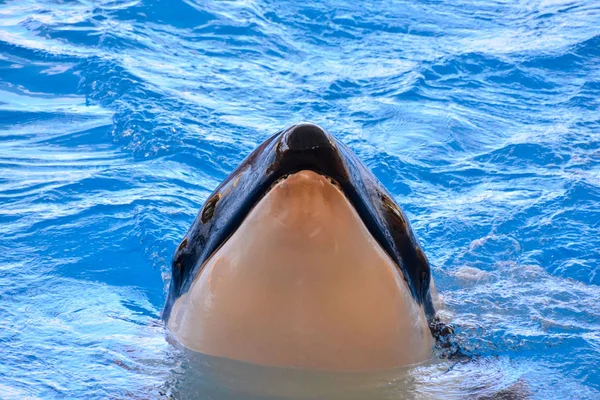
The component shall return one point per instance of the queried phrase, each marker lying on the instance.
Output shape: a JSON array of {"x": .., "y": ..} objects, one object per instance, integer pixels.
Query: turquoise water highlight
[{"x": 118, "y": 118}]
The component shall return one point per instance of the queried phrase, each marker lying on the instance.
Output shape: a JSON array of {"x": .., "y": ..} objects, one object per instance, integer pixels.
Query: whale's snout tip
[{"x": 306, "y": 136}]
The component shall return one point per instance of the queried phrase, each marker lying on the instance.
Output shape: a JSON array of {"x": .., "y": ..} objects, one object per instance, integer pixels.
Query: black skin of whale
[{"x": 302, "y": 147}]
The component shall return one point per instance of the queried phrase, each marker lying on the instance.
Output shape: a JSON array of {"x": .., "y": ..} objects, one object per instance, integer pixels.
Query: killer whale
[{"x": 302, "y": 258}]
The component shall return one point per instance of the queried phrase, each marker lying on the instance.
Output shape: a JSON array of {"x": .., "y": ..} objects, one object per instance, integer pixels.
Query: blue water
[{"x": 119, "y": 117}]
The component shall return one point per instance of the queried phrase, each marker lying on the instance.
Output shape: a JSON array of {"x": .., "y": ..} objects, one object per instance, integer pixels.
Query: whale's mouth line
[
  {"x": 266, "y": 192},
  {"x": 285, "y": 176}
]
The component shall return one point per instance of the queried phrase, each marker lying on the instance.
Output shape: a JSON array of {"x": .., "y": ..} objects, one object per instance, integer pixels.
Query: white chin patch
[{"x": 302, "y": 283}]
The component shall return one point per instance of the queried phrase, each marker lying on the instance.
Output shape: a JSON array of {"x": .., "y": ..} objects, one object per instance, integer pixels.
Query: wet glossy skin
[
  {"x": 303, "y": 283},
  {"x": 301, "y": 147}
]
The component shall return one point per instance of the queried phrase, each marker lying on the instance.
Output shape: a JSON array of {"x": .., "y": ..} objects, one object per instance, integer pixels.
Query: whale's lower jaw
[{"x": 302, "y": 283}]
